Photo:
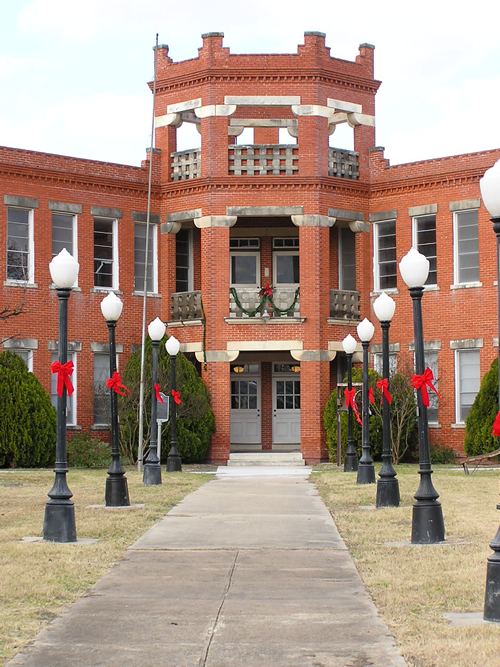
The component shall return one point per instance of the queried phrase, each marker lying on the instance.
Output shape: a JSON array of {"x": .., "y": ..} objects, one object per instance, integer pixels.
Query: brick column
[
  {"x": 166, "y": 142},
  {"x": 266, "y": 405},
  {"x": 216, "y": 375},
  {"x": 214, "y": 146},
  {"x": 313, "y": 145},
  {"x": 167, "y": 262}
]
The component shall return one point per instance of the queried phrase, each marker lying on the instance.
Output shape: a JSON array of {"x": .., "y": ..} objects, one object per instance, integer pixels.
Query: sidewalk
[{"x": 247, "y": 571}]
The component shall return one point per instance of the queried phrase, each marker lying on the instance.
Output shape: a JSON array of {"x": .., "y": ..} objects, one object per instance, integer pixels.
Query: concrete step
[{"x": 266, "y": 459}]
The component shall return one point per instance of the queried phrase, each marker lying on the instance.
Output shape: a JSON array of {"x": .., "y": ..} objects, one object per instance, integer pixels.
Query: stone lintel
[
  {"x": 20, "y": 344},
  {"x": 211, "y": 356},
  {"x": 103, "y": 348},
  {"x": 264, "y": 345},
  {"x": 15, "y": 200},
  {"x": 425, "y": 209},
  {"x": 170, "y": 227},
  {"x": 73, "y": 346},
  {"x": 142, "y": 216},
  {"x": 215, "y": 110},
  {"x": 359, "y": 226},
  {"x": 340, "y": 105},
  {"x": 262, "y": 100},
  {"x": 464, "y": 204},
  {"x": 466, "y": 344},
  {"x": 191, "y": 347},
  {"x": 377, "y": 348},
  {"x": 337, "y": 118},
  {"x": 103, "y": 212},
  {"x": 313, "y": 220},
  {"x": 312, "y": 110},
  {"x": 181, "y": 216},
  {"x": 355, "y": 119},
  {"x": 256, "y": 211},
  {"x": 380, "y": 216},
  {"x": 184, "y": 106},
  {"x": 63, "y": 207},
  {"x": 431, "y": 345},
  {"x": 215, "y": 221},
  {"x": 263, "y": 122},
  {"x": 343, "y": 214},
  {"x": 174, "y": 119},
  {"x": 336, "y": 345},
  {"x": 235, "y": 131},
  {"x": 313, "y": 355}
]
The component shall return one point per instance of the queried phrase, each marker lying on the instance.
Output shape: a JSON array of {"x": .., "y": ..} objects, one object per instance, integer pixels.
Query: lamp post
[
  {"x": 490, "y": 193},
  {"x": 387, "y": 484},
  {"x": 351, "y": 459},
  {"x": 152, "y": 467},
  {"x": 427, "y": 519},
  {"x": 59, "y": 520},
  {"x": 173, "y": 458},
  {"x": 116, "y": 483},
  {"x": 366, "y": 469}
]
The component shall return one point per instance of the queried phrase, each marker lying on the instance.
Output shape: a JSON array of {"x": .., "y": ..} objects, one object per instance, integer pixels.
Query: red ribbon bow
[
  {"x": 158, "y": 394},
  {"x": 115, "y": 384},
  {"x": 64, "y": 371},
  {"x": 421, "y": 382},
  {"x": 371, "y": 396},
  {"x": 267, "y": 290},
  {"x": 177, "y": 397},
  {"x": 351, "y": 403},
  {"x": 496, "y": 426},
  {"x": 383, "y": 386}
]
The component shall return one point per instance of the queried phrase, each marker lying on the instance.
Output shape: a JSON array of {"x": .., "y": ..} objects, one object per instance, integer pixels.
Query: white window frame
[
  {"x": 19, "y": 351},
  {"x": 153, "y": 240},
  {"x": 74, "y": 234},
  {"x": 376, "y": 272},
  {"x": 31, "y": 248},
  {"x": 106, "y": 394},
  {"x": 115, "y": 271},
  {"x": 414, "y": 236},
  {"x": 378, "y": 363},
  {"x": 458, "y": 417},
  {"x": 432, "y": 395},
  {"x": 190, "y": 266},
  {"x": 456, "y": 272},
  {"x": 282, "y": 253},
  {"x": 71, "y": 415},
  {"x": 246, "y": 253}
]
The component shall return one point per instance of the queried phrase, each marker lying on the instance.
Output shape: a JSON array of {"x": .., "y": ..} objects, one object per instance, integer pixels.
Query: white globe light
[
  {"x": 173, "y": 346},
  {"x": 349, "y": 344},
  {"x": 365, "y": 330},
  {"x": 384, "y": 307},
  {"x": 156, "y": 329},
  {"x": 490, "y": 189},
  {"x": 64, "y": 270},
  {"x": 111, "y": 307},
  {"x": 414, "y": 268}
]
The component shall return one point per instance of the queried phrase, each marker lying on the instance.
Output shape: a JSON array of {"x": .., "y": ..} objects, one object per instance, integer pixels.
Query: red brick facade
[{"x": 305, "y": 192}]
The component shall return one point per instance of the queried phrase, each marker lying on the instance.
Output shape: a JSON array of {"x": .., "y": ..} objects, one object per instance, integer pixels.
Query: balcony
[
  {"x": 344, "y": 305},
  {"x": 245, "y": 303},
  {"x": 343, "y": 164},
  {"x": 186, "y": 306},
  {"x": 186, "y": 164}
]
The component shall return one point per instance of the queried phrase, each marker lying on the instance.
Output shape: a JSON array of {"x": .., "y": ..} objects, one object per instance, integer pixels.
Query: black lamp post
[
  {"x": 152, "y": 467},
  {"x": 351, "y": 459},
  {"x": 387, "y": 484},
  {"x": 427, "y": 518},
  {"x": 366, "y": 469},
  {"x": 174, "y": 459},
  {"x": 59, "y": 521},
  {"x": 116, "y": 483},
  {"x": 490, "y": 193}
]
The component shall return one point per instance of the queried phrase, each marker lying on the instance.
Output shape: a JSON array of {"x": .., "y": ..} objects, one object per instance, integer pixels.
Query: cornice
[{"x": 426, "y": 181}]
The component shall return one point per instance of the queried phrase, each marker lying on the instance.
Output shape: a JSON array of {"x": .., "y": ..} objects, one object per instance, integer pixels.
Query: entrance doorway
[
  {"x": 245, "y": 404},
  {"x": 286, "y": 404}
]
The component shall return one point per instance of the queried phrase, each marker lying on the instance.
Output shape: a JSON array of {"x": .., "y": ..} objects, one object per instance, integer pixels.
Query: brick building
[{"x": 323, "y": 226}]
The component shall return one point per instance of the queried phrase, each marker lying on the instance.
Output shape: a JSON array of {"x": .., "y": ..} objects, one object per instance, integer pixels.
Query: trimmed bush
[
  {"x": 27, "y": 418},
  {"x": 478, "y": 438},
  {"x": 85, "y": 451},
  {"x": 195, "y": 419},
  {"x": 442, "y": 454}
]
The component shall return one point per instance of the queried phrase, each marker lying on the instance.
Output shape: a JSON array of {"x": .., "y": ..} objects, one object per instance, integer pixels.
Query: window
[
  {"x": 244, "y": 244},
  {"x": 287, "y": 243},
  {"x": 140, "y": 258},
  {"x": 466, "y": 247},
  {"x": 105, "y": 253},
  {"x": 385, "y": 255},
  {"x": 467, "y": 380},
  {"x": 378, "y": 363},
  {"x": 244, "y": 394},
  {"x": 245, "y": 268},
  {"x": 70, "y": 400},
  {"x": 431, "y": 361},
  {"x": 184, "y": 260},
  {"x": 20, "y": 249},
  {"x": 25, "y": 355},
  {"x": 102, "y": 405},
  {"x": 347, "y": 259},
  {"x": 286, "y": 268},
  {"x": 424, "y": 239},
  {"x": 63, "y": 233}
]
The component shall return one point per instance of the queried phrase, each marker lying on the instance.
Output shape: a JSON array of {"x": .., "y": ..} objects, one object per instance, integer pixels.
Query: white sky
[{"x": 73, "y": 73}]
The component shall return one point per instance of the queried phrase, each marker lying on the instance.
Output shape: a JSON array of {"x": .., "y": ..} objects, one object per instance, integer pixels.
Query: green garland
[{"x": 262, "y": 302}]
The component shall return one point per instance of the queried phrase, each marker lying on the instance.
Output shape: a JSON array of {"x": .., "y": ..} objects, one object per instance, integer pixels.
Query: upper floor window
[
  {"x": 184, "y": 260},
  {"x": 105, "y": 253},
  {"x": 424, "y": 239},
  {"x": 466, "y": 247},
  {"x": 70, "y": 400},
  {"x": 385, "y": 255},
  {"x": 245, "y": 262},
  {"x": 102, "y": 405},
  {"x": 140, "y": 258},
  {"x": 20, "y": 245},
  {"x": 467, "y": 381},
  {"x": 347, "y": 259}
]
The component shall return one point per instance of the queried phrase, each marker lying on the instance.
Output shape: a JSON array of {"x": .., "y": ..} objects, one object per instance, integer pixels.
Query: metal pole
[
  {"x": 427, "y": 519},
  {"x": 59, "y": 522},
  {"x": 366, "y": 469},
  {"x": 173, "y": 459},
  {"x": 351, "y": 458},
  {"x": 387, "y": 484},
  {"x": 116, "y": 483},
  {"x": 152, "y": 468}
]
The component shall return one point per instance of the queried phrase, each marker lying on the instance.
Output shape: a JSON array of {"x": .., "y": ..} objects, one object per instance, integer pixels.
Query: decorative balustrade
[
  {"x": 343, "y": 164},
  {"x": 186, "y": 306},
  {"x": 285, "y": 300},
  {"x": 344, "y": 305},
  {"x": 186, "y": 164},
  {"x": 263, "y": 160}
]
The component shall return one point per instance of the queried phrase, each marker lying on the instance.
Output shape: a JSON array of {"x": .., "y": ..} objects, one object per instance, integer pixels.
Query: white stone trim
[
  {"x": 340, "y": 105},
  {"x": 211, "y": 110},
  {"x": 262, "y": 100},
  {"x": 216, "y": 356},
  {"x": 313, "y": 355},
  {"x": 313, "y": 220},
  {"x": 215, "y": 221},
  {"x": 190, "y": 347},
  {"x": 336, "y": 345},
  {"x": 168, "y": 119},
  {"x": 184, "y": 106},
  {"x": 355, "y": 119},
  {"x": 312, "y": 110},
  {"x": 264, "y": 345},
  {"x": 263, "y": 122},
  {"x": 359, "y": 226}
]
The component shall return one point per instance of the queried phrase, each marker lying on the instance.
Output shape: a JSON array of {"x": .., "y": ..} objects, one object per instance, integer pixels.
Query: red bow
[
  {"x": 383, "y": 386},
  {"x": 115, "y": 384},
  {"x": 351, "y": 403},
  {"x": 64, "y": 371},
  {"x": 496, "y": 425},
  {"x": 158, "y": 394},
  {"x": 177, "y": 397},
  {"x": 371, "y": 396},
  {"x": 267, "y": 290},
  {"x": 421, "y": 382}
]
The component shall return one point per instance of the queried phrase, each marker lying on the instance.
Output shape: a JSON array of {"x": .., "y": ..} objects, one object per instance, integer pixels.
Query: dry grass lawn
[
  {"x": 413, "y": 586},
  {"x": 37, "y": 580}
]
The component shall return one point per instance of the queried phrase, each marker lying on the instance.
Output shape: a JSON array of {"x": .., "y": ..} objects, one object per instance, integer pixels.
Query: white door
[
  {"x": 245, "y": 410},
  {"x": 286, "y": 409}
]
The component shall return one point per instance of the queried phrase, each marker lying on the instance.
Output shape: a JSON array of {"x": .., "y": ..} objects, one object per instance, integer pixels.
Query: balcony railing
[
  {"x": 344, "y": 305},
  {"x": 344, "y": 164},
  {"x": 286, "y": 299},
  {"x": 186, "y": 306},
  {"x": 186, "y": 164},
  {"x": 263, "y": 160}
]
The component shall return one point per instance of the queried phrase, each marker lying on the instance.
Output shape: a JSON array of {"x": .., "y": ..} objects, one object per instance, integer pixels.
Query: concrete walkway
[{"x": 247, "y": 571}]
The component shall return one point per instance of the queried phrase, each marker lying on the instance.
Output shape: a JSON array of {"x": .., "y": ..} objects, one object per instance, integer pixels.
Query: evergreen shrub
[
  {"x": 478, "y": 438},
  {"x": 86, "y": 451}
]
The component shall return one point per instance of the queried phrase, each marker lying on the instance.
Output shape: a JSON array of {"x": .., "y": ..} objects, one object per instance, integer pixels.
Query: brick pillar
[
  {"x": 166, "y": 141},
  {"x": 216, "y": 376},
  {"x": 266, "y": 135},
  {"x": 214, "y": 146},
  {"x": 314, "y": 393},
  {"x": 313, "y": 145},
  {"x": 266, "y": 406},
  {"x": 167, "y": 262}
]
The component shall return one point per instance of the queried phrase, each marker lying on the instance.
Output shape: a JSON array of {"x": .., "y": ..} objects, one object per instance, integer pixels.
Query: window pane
[
  {"x": 103, "y": 252},
  {"x": 244, "y": 269},
  {"x": 347, "y": 277},
  {"x": 18, "y": 230},
  {"x": 102, "y": 406},
  {"x": 426, "y": 243},
  {"x": 62, "y": 233},
  {"x": 287, "y": 269},
  {"x": 140, "y": 257},
  {"x": 467, "y": 246},
  {"x": 386, "y": 254},
  {"x": 469, "y": 380}
]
